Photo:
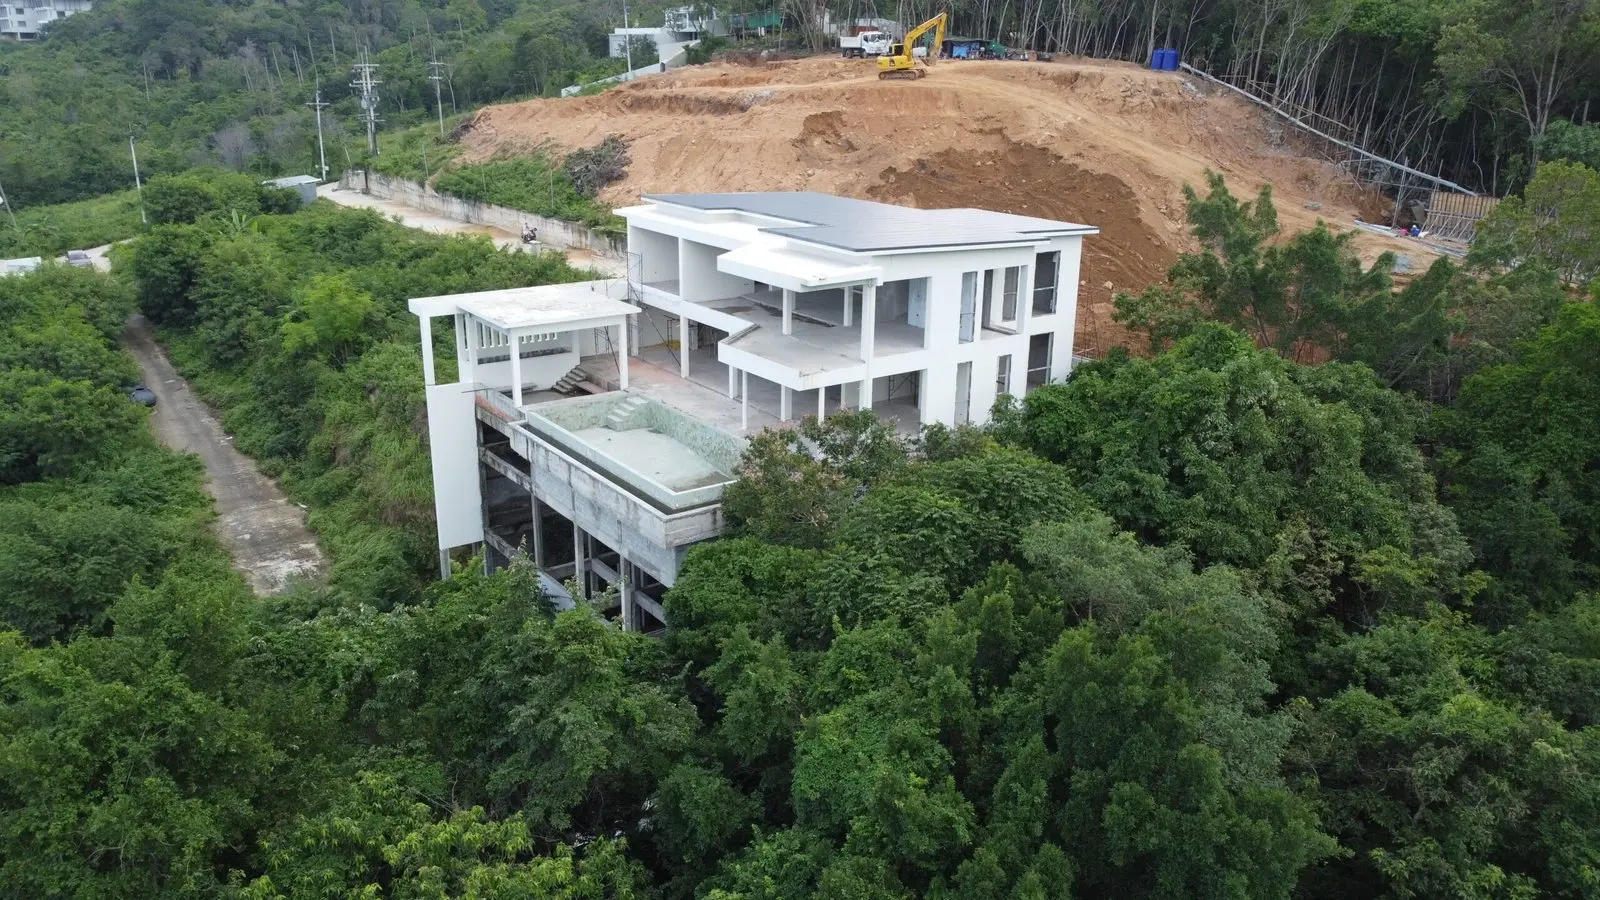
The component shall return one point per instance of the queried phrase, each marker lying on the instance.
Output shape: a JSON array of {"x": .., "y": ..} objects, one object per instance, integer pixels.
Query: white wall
[
  {"x": 453, "y": 451},
  {"x": 697, "y": 269},
  {"x": 658, "y": 254},
  {"x": 538, "y": 372}
]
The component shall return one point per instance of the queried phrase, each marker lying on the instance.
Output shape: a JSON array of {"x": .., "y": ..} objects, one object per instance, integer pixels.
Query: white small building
[
  {"x": 682, "y": 27},
  {"x": 22, "y": 20},
  {"x": 602, "y": 446}
]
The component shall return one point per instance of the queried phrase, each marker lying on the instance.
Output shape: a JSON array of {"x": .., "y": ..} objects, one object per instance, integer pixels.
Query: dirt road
[
  {"x": 425, "y": 221},
  {"x": 265, "y": 533}
]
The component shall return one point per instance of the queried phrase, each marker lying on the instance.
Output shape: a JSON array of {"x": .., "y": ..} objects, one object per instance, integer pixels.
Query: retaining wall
[{"x": 557, "y": 233}]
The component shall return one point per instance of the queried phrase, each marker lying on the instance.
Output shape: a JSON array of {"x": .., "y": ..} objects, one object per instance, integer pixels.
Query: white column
[
  {"x": 788, "y": 311},
  {"x": 822, "y": 403},
  {"x": 744, "y": 401},
  {"x": 630, "y": 610},
  {"x": 580, "y": 566},
  {"x": 444, "y": 565},
  {"x": 465, "y": 369},
  {"x": 869, "y": 324},
  {"x": 864, "y": 394},
  {"x": 622, "y": 354},
  {"x": 784, "y": 404},
  {"x": 683, "y": 346},
  {"x": 538, "y": 534},
  {"x": 849, "y": 298},
  {"x": 515, "y": 341},
  {"x": 427, "y": 350},
  {"x": 731, "y": 374},
  {"x": 633, "y": 335}
]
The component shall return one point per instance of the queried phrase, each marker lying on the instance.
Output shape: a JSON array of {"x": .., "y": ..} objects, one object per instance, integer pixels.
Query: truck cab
[{"x": 867, "y": 43}]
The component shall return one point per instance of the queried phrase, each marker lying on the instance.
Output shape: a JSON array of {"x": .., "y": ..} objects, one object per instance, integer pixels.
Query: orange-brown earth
[{"x": 1103, "y": 143}]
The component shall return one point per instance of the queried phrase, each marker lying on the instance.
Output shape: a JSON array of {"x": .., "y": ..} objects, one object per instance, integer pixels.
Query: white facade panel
[{"x": 453, "y": 446}]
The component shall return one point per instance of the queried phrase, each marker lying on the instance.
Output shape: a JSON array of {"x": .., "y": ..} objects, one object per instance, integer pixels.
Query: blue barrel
[
  {"x": 1166, "y": 60},
  {"x": 1158, "y": 60},
  {"x": 1172, "y": 60}
]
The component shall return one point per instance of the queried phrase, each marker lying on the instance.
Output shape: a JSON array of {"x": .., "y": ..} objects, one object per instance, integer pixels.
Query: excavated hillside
[{"x": 1106, "y": 144}]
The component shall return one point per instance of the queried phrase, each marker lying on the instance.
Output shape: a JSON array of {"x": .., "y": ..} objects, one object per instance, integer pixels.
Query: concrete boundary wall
[{"x": 556, "y": 233}]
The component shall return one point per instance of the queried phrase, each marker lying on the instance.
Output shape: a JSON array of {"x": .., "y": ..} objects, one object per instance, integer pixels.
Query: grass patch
[
  {"x": 538, "y": 183},
  {"x": 53, "y": 230}
]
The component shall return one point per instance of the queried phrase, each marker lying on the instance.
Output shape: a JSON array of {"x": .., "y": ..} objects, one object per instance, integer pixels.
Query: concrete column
[
  {"x": 580, "y": 565},
  {"x": 465, "y": 355},
  {"x": 633, "y": 335},
  {"x": 1024, "y": 299},
  {"x": 864, "y": 394},
  {"x": 822, "y": 403},
  {"x": 788, "y": 311},
  {"x": 683, "y": 346},
  {"x": 444, "y": 565},
  {"x": 869, "y": 323},
  {"x": 538, "y": 534},
  {"x": 785, "y": 404},
  {"x": 731, "y": 385},
  {"x": 516, "y": 367},
  {"x": 427, "y": 350},
  {"x": 849, "y": 304},
  {"x": 622, "y": 356},
  {"x": 744, "y": 402},
  {"x": 630, "y": 610}
]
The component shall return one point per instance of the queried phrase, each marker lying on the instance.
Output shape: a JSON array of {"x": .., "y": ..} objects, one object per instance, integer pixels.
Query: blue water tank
[
  {"x": 1168, "y": 59},
  {"x": 1158, "y": 60}
]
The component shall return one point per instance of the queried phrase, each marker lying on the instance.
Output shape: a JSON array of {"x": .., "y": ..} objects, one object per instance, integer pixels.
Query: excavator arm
[{"x": 901, "y": 61}]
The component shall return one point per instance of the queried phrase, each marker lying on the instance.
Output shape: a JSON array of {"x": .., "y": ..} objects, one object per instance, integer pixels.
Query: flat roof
[
  {"x": 292, "y": 181},
  {"x": 865, "y": 226},
  {"x": 544, "y": 306}
]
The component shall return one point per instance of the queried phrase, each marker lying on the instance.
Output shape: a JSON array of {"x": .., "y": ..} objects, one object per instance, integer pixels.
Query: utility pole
[
  {"x": 9, "y": 211},
  {"x": 627, "y": 41},
  {"x": 435, "y": 68},
  {"x": 369, "y": 99},
  {"x": 137, "y": 184},
  {"x": 319, "y": 106}
]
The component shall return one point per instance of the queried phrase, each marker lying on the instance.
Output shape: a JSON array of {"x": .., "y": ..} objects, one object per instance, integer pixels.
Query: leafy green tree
[
  {"x": 330, "y": 319},
  {"x": 1553, "y": 223},
  {"x": 1310, "y": 289},
  {"x": 1519, "y": 466}
]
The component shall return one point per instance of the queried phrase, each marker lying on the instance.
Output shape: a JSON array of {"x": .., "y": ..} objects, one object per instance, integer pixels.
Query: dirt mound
[
  {"x": 1027, "y": 180},
  {"x": 1106, "y": 144}
]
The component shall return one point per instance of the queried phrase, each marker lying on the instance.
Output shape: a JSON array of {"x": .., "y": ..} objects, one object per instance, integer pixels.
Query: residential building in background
[
  {"x": 595, "y": 425},
  {"x": 23, "y": 20}
]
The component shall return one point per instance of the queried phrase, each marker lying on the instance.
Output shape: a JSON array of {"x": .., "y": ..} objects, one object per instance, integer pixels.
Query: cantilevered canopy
[{"x": 796, "y": 271}]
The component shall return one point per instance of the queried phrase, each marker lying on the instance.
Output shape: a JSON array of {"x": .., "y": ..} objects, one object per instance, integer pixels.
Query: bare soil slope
[{"x": 1106, "y": 144}]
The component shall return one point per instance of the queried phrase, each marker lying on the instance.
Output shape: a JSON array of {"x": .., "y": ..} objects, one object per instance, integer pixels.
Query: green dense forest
[
  {"x": 225, "y": 84},
  {"x": 1301, "y": 601}
]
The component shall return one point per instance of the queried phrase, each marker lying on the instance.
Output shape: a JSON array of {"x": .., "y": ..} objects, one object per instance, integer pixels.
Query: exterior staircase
[
  {"x": 618, "y": 419},
  {"x": 568, "y": 383}
]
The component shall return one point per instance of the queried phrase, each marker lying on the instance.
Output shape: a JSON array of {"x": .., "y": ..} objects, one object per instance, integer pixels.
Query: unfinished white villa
[{"x": 602, "y": 444}]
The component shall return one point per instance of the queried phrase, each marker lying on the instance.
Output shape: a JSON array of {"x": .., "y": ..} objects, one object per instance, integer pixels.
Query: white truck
[{"x": 867, "y": 43}]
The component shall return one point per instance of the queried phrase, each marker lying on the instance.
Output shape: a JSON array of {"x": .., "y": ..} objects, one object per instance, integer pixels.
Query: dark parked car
[
  {"x": 79, "y": 258},
  {"x": 142, "y": 395}
]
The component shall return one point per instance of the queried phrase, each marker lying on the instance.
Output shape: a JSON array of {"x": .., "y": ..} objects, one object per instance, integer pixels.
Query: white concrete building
[
  {"x": 682, "y": 26},
  {"x": 602, "y": 446},
  {"x": 22, "y": 20}
]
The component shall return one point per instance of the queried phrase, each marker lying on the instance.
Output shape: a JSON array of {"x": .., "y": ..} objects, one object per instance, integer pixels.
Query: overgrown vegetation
[
  {"x": 53, "y": 230},
  {"x": 543, "y": 184},
  {"x": 225, "y": 84},
  {"x": 296, "y": 327}
]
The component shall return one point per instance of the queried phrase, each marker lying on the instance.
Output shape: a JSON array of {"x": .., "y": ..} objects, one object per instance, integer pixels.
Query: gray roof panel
[{"x": 863, "y": 226}]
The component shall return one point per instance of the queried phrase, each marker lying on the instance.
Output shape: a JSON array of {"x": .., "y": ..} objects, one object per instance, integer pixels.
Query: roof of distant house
[
  {"x": 292, "y": 181},
  {"x": 863, "y": 226}
]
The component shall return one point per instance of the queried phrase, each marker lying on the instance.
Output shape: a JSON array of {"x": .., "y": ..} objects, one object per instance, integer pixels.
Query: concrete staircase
[
  {"x": 618, "y": 419},
  {"x": 568, "y": 383}
]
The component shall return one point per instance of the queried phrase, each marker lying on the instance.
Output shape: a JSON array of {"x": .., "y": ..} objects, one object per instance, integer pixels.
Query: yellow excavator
[{"x": 901, "y": 60}]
